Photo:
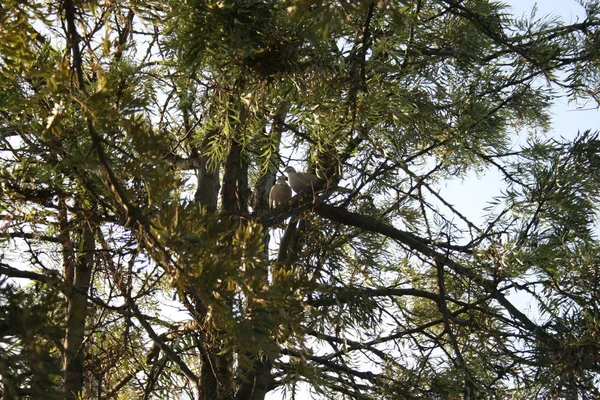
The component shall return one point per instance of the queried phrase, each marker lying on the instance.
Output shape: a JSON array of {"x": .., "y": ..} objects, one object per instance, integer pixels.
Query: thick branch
[{"x": 11, "y": 272}]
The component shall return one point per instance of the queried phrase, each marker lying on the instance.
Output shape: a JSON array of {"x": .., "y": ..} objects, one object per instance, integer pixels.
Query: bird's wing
[{"x": 310, "y": 180}]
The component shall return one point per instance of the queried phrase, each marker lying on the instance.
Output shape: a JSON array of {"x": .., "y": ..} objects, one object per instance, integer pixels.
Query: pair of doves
[{"x": 300, "y": 182}]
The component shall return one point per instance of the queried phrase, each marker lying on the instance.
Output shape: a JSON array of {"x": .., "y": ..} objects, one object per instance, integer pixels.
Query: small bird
[
  {"x": 302, "y": 182},
  {"x": 280, "y": 193}
]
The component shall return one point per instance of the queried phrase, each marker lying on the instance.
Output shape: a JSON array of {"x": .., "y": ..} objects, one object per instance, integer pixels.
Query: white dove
[
  {"x": 302, "y": 182},
  {"x": 280, "y": 193}
]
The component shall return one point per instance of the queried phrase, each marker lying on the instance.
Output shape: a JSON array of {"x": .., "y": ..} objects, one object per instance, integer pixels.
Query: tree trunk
[
  {"x": 235, "y": 181},
  {"x": 207, "y": 192},
  {"x": 257, "y": 380},
  {"x": 78, "y": 278}
]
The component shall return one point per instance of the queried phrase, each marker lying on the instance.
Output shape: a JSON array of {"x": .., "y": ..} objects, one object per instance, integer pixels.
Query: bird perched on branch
[
  {"x": 280, "y": 193},
  {"x": 302, "y": 182}
]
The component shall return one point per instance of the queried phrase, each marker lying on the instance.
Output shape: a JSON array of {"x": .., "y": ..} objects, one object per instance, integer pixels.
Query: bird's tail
[{"x": 342, "y": 189}]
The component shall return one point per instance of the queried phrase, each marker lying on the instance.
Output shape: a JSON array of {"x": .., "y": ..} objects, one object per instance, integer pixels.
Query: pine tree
[{"x": 140, "y": 257}]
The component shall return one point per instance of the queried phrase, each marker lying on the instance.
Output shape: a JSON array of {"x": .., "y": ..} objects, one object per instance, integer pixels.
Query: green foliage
[
  {"x": 30, "y": 366},
  {"x": 238, "y": 38}
]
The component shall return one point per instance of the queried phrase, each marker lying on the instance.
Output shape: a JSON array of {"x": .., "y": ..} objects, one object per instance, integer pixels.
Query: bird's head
[{"x": 289, "y": 169}]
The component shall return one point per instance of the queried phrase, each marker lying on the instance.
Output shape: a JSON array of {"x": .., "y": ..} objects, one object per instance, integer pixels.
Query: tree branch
[{"x": 369, "y": 224}]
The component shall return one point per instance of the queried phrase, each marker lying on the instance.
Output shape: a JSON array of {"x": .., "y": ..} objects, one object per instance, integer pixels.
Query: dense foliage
[{"x": 139, "y": 142}]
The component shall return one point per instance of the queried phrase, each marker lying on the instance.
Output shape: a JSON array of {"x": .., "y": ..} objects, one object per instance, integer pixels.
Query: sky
[
  {"x": 471, "y": 195},
  {"x": 569, "y": 10}
]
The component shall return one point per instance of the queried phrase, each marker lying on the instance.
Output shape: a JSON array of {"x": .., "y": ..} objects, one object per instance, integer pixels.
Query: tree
[{"x": 141, "y": 260}]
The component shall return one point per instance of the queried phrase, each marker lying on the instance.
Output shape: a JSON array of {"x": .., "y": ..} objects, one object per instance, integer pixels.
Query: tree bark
[
  {"x": 235, "y": 192},
  {"x": 207, "y": 192}
]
